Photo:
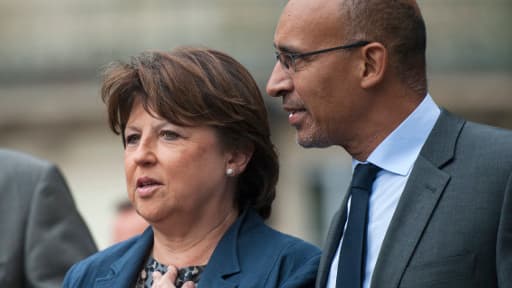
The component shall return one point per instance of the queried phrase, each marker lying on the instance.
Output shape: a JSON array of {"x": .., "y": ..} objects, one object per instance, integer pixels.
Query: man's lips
[
  {"x": 294, "y": 111},
  {"x": 295, "y": 115},
  {"x": 146, "y": 186}
]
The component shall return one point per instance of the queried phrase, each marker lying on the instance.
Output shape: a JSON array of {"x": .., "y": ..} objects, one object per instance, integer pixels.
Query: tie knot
[{"x": 364, "y": 175}]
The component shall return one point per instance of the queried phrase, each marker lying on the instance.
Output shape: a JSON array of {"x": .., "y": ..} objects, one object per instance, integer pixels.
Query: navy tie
[{"x": 353, "y": 250}]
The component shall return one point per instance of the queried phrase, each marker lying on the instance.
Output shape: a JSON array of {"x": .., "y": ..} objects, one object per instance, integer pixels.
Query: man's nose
[{"x": 280, "y": 82}]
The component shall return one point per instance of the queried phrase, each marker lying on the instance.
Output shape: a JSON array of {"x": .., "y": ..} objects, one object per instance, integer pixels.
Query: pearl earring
[{"x": 229, "y": 171}]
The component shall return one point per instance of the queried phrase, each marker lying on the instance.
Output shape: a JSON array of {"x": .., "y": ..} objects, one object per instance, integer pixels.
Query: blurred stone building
[{"x": 52, "y": 53}]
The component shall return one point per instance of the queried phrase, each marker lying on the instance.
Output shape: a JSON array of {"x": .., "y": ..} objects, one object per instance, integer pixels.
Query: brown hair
[
  {"x": 193, "y": 87},
  {"x": 398, "y": 25}
]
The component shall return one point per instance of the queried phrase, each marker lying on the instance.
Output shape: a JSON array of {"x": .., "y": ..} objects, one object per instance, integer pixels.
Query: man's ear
[
  {"x": 239, "y": 158},
  {"x": 375, "y": 59}
]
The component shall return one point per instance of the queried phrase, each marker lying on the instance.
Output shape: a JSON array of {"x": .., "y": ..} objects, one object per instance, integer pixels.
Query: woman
[{"x": 201, "y": 169}]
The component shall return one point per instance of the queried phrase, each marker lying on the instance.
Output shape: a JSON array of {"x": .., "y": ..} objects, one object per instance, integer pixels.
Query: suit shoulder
[
  {"x": 479, "y": 129},
  {"x": 19, "y": 162},
  {"x": 26, "y": 175},
  {"x": 481, "y": 137}
]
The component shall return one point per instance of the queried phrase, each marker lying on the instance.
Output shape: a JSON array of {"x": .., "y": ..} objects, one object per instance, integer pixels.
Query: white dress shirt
[{"x": 396, "y": 156}]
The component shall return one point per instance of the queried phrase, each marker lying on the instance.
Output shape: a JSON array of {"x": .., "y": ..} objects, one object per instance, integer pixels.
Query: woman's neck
[{"x": 194, "y": 247}]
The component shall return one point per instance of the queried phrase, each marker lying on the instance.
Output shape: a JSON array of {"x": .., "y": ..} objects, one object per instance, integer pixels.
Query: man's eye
[{"x": 288, "y": 59}]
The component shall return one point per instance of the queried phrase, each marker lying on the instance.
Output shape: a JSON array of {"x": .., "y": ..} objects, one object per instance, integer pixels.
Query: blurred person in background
[
  {"x": 127, "y": 223},
  {"x": 42, "y": 233},
  {"x": 202, "y": 170},
  {"x": 430, "y": 203}
]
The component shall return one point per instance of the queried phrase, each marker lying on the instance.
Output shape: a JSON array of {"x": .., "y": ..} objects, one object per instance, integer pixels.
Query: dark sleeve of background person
[{"x": 41, "y": 232}]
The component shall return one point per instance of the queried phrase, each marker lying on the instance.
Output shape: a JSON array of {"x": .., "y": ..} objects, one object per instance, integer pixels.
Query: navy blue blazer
[{"x": 250, "y": 254}]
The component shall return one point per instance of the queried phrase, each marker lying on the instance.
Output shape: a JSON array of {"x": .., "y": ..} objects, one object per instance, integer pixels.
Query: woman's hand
[{"x": 167, "y": 280}]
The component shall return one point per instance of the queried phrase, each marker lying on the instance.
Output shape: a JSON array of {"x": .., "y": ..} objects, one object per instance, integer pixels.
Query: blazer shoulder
[
  {"x": 98, "y": 265},
  {"x": 259, "y": 235},
  {"x": 290, "y": 261}
]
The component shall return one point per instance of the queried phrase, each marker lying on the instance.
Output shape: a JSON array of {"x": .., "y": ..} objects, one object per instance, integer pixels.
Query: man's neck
[{"x": 390, "y": 110}]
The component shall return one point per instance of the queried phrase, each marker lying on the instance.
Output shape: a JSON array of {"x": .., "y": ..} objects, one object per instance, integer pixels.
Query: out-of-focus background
[{"x": 52, "y": 53}]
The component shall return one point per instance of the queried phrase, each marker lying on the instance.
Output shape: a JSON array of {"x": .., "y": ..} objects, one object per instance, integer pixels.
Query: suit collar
[
  {"x": 418, "y": 201},
  {"x": 440, "y": 146},
  {"x": 124, "y": 271}
]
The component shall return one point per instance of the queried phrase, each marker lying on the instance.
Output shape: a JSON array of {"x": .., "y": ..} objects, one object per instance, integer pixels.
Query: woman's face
[{"x": 175, "y": 171}]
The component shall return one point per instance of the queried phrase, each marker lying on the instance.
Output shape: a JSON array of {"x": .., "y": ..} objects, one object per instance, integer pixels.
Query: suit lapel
[
  {"x": 332, "y": 242},
  {"x": 418, "y": 202},
  {"x": 421, "y": 194}
]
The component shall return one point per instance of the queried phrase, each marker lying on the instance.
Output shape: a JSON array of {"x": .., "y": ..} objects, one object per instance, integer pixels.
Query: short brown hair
[
  {"x": 398, "y": 25},
  {"x": 194, "y": 87}
]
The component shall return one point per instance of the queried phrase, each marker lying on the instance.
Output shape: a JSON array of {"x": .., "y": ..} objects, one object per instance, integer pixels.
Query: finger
[
  {"x": 189, "y": 284},
  {"x": 172, "y": 273},
  {"x": 156, "y": 279},
  {"x": 156, "y": 275}
]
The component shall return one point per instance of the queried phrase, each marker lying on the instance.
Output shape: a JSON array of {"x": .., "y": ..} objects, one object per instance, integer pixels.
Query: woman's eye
[
  {"x": 132, "y": 138},
  {"x": 169, "y": 135}
]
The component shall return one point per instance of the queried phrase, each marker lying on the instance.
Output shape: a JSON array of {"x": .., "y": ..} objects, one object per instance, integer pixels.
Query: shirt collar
[{"x": 398, "y": 152}]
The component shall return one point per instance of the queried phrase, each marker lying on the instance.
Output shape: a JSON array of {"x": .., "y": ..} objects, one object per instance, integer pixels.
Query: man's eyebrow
[{"x": 285, "y": 48}]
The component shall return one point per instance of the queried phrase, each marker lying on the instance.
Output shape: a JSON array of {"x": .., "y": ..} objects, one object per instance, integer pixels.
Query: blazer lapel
[
  {"x": 123, "y": 271},
  {"x": 331, "y": 243},
  {"x": 417, "y": 203},
  {"x": 223, "y": 268}
]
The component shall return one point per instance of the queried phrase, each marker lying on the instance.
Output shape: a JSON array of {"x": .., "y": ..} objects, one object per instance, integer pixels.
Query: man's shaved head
[{"x": 398, "y": 25}]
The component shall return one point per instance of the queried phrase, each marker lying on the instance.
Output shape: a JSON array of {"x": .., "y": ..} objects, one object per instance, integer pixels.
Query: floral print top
[{"x": 145, "y": 278}]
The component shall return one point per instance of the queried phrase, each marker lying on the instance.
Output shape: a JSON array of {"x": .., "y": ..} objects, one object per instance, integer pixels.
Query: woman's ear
[
  {"x": 375, "y": 59},
  {"x": 238, "y": 159}
]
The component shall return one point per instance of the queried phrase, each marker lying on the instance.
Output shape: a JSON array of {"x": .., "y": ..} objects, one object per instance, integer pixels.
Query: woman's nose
[{"x": 145, "y": 154}]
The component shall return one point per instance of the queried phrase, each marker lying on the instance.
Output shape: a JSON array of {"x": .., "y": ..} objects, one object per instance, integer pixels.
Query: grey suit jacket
[
  {"x": 453, "y": 223},
  {"x": 41, "y": 232}
]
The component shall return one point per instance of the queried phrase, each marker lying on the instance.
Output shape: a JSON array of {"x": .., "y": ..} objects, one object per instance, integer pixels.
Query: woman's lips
[{"x": 146, "y": 186}]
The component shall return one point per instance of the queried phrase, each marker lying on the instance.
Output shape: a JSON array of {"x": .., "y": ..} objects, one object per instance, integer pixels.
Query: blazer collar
[
  {"x": 223, "y": 269},
  {"x": 124, "y": 271},
  {"x": 422, "y": 192},
  {"x": 221, "y": 272}
]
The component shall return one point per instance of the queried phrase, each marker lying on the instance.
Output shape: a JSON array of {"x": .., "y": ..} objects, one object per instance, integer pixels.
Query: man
[
  {"x": 352, "y": 73},
  {"x": 42, "y": 233}
]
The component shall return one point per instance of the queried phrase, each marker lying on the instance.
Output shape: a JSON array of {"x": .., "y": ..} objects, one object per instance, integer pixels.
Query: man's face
[{"x": 320, "y": 93}]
